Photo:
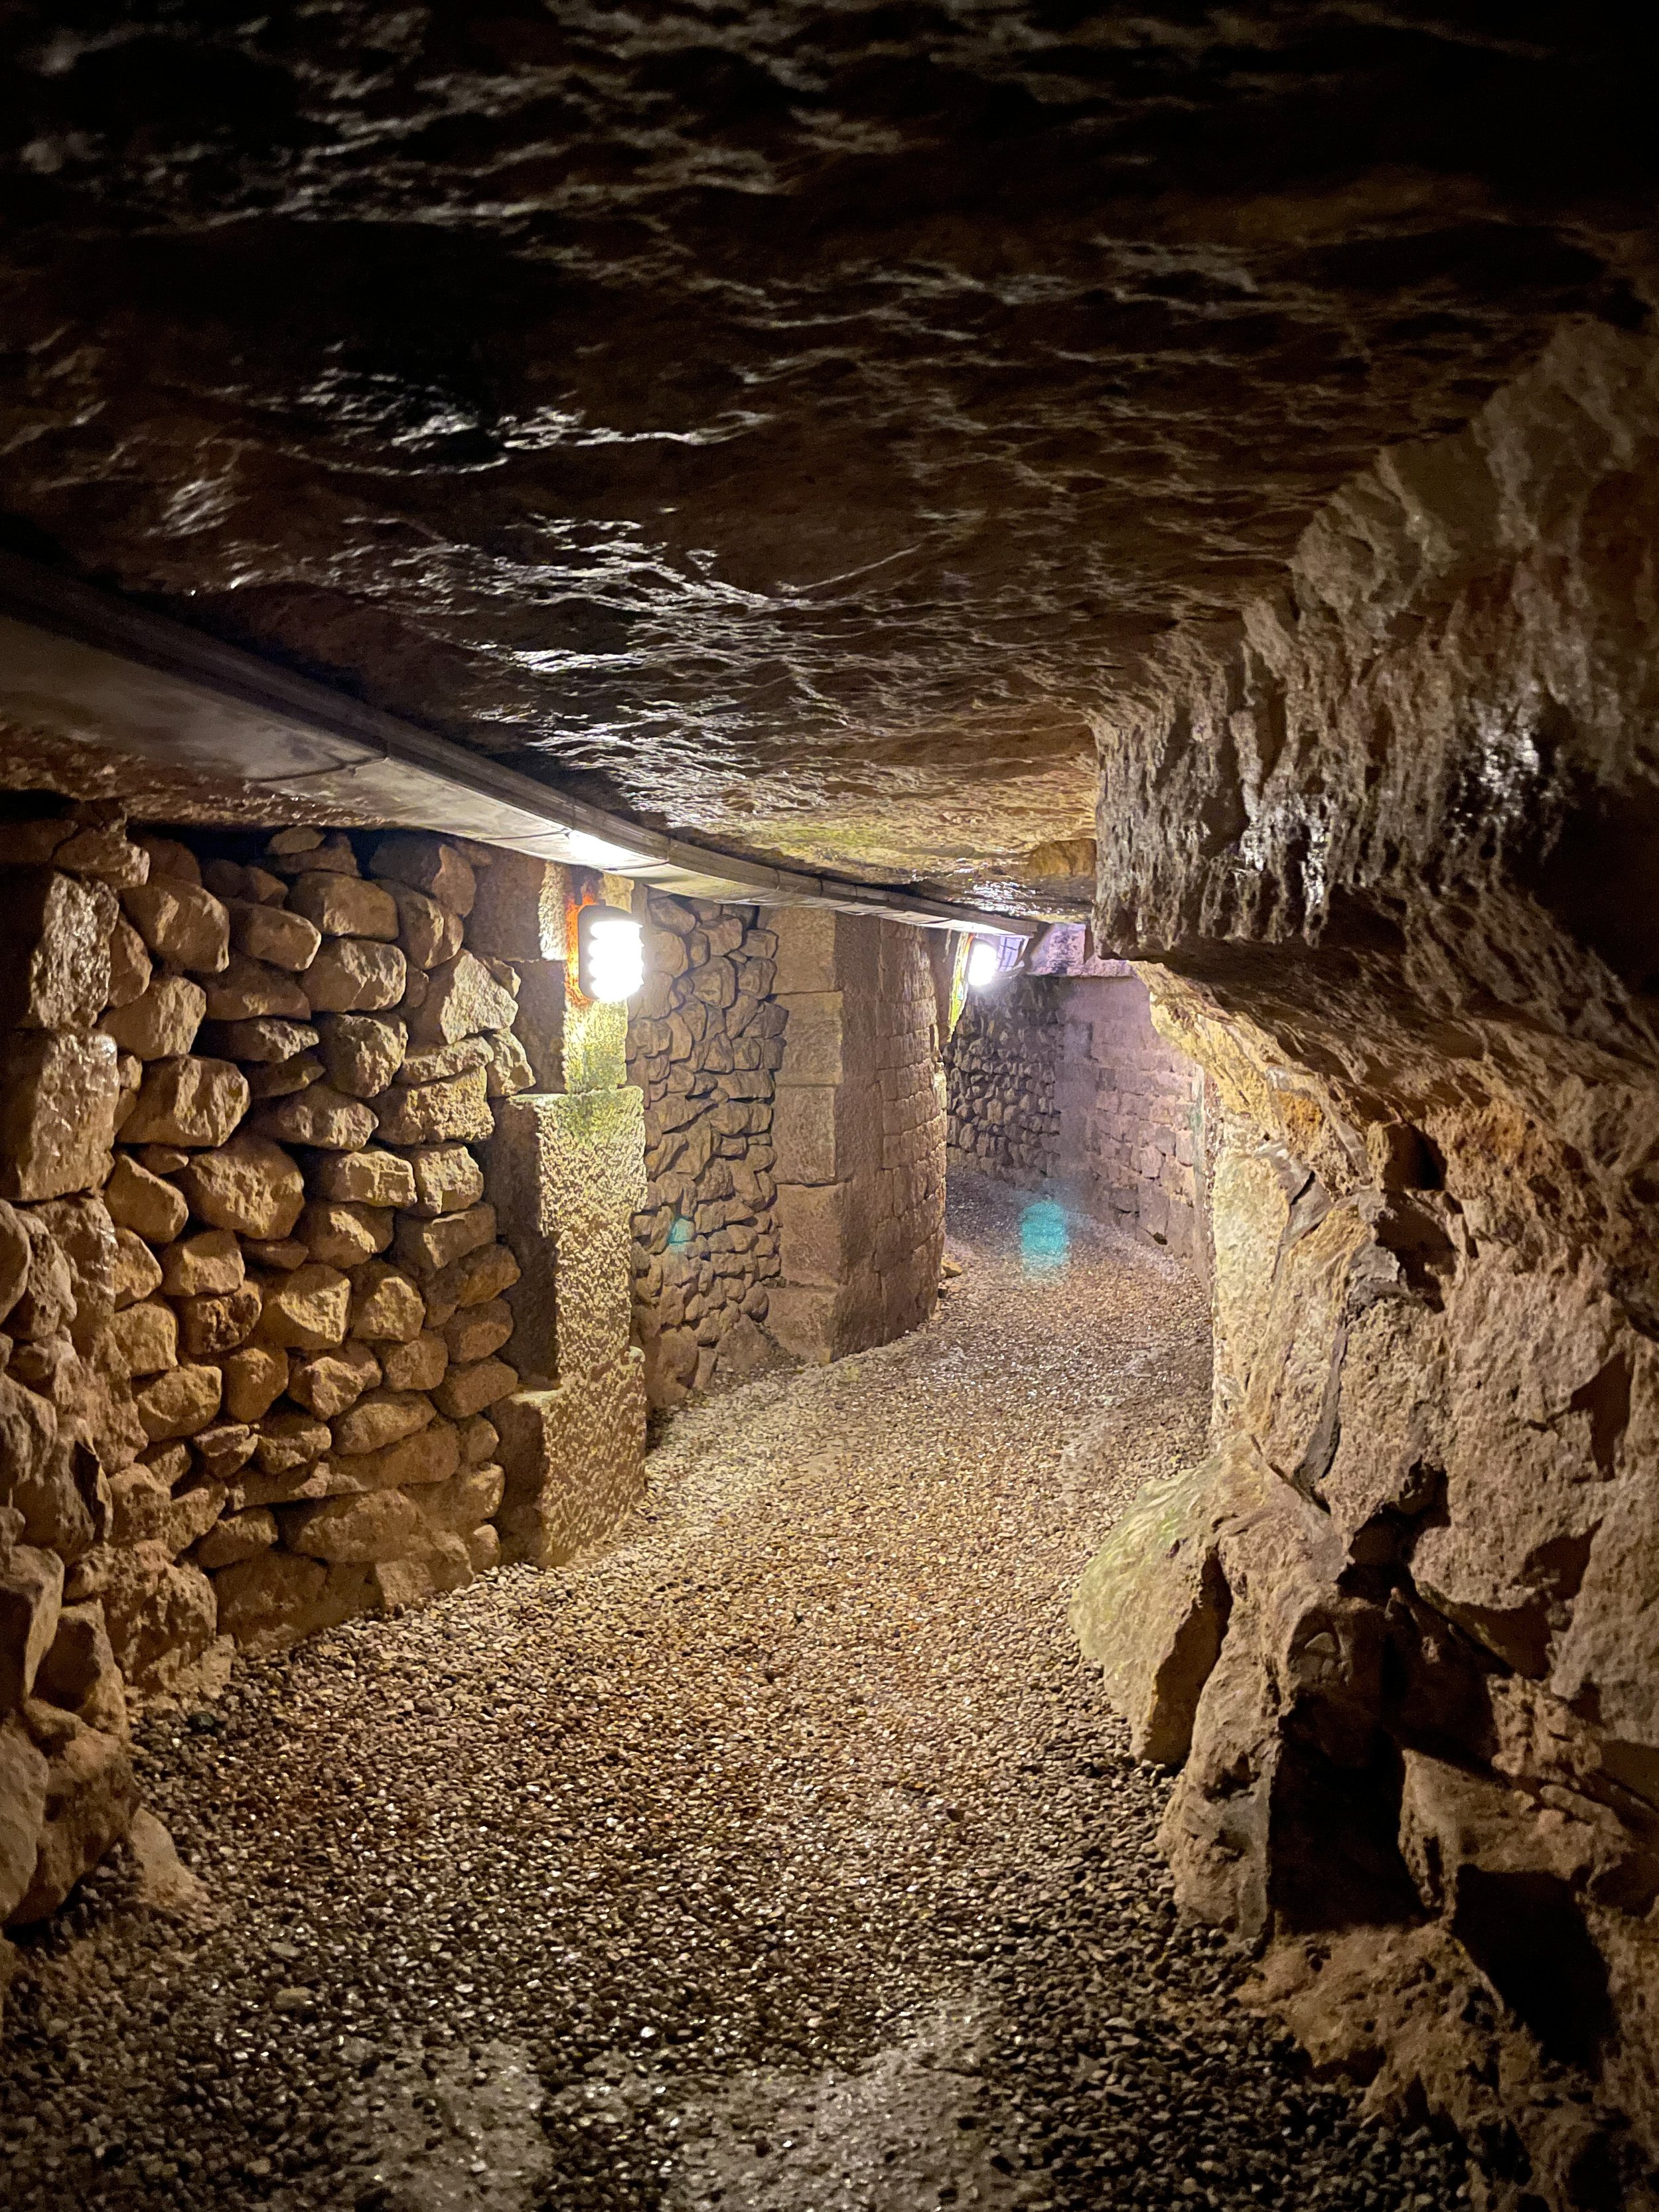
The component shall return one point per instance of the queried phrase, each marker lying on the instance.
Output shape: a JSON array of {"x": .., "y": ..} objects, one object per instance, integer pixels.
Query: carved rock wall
[{"x": 1391, "y": 843}]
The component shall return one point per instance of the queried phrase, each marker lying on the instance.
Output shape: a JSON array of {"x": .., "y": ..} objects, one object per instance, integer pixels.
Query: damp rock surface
[
  {"x": 798, "y": 419},
  {"x": 778, "y": 1854}
]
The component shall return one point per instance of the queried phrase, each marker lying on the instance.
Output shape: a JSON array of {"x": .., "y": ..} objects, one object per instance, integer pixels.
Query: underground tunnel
[{"x": 828, "y": 1110}]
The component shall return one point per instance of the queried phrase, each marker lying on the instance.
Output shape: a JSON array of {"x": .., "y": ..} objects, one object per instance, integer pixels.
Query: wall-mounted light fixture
[
  {"x": 984, "y": 961},
  {"x": 610, "y": 953}
]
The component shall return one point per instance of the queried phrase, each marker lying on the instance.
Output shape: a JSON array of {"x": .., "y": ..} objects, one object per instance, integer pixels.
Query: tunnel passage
[{"x": 974, "y": 468}]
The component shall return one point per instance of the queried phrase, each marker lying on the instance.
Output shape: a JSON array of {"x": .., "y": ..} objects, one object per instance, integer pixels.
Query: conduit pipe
[{"x": 81, "y": 663}]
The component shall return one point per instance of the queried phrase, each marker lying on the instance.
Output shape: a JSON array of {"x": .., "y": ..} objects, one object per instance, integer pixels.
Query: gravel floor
[{"x": 781, "y": 1857}]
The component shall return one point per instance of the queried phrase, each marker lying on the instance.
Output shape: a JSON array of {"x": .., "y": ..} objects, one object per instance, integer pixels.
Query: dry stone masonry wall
[
  {"x": 1061, "y": 1082},
  {"x": 705, "y": 1045},
  {"x": 1001, "y": 1067},
  {"x": 251, "y": 1285}
]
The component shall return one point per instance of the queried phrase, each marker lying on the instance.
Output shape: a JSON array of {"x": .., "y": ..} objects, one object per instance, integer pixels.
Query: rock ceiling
[{"x": 790, "y": 422}]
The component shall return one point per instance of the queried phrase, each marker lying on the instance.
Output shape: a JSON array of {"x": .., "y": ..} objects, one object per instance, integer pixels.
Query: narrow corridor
[{"x": 781, "y": 1856}]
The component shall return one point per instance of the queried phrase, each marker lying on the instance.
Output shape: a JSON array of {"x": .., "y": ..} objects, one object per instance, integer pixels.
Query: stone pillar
[
  {"x": 859, "y": 1132},
  {"x": 566, "y": 1172}
]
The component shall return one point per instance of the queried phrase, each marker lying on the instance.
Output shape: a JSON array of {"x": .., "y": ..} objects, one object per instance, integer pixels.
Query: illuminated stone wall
[{"x": 1061, "y": 1083}]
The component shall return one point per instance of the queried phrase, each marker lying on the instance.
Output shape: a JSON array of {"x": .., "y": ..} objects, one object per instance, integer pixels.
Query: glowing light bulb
[
  {"x": 610, "y": 953},
  {"x": 984, "y": 961}
]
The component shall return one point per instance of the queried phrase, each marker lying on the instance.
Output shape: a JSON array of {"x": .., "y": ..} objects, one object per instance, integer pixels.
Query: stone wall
[
  {"x": 1393, "y": 845},
  {"x": 705, "y": 1043},
  {"x": 1062, "y": 1082},
  {"x": 861, "y": 1133},
  {"x": 254, "y": 1297}
]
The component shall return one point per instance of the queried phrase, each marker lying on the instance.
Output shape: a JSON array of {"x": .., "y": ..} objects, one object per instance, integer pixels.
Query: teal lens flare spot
[{"x": 1045, "y": 1243}]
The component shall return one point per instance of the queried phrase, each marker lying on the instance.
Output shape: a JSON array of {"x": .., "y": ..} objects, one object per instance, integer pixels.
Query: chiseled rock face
[
  {"x": 1389, "y": 846},
  {"x": 911, "y": 373}
]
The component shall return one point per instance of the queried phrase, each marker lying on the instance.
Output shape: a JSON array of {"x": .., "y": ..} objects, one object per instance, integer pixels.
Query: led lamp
[
  {"x": 984, "y": 961},
  {"x": 610, "y": 953}
]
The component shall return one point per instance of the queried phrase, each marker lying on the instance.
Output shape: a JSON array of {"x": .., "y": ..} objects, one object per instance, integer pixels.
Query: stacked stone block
[
  {"x": 861, "y": 1134},
  {"x": 66, "y": 1782},
  {"x": 1002, "y": 1069},
  {"x": 1132, "y": 1109},
  {"x": 704, "y": 1046},
  {"x": 291, "y": 1286}
]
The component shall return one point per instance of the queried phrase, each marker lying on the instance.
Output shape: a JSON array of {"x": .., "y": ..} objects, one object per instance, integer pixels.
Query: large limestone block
[
  {"x": 447, "y": 1179},
  {"x": 1151, "y": 1608},
  {"x": 462, "y": 997},
  {"x": 206, "y": 1265},
  {"x": 54, "y": 956},
  {"x": 371, "y": 1177},
  {"x": 30, "y": 1597},
  {"x": 825, "y": 1229},
  {"x": 434, "y": 1113},
  {"x": 274, "y": 935},
  {"x": 163, "y": 1022},
  {"x": 143, "y": 1339},
  {"x": 428, "y": 864},
  {"x": 428, "y": 932},
  {"x": 356, "y": 974},
  {"x": 826, "y": 1131},
  {"x": 179, "y": 1403},
  {"x": 362, "y": 1052},
  {"x": 566, "y": 1174},
  {"x": 23, "y": 1772},
  {"x": 90, "y": 1799},
  {"x": 574, "y": 1462},
  {"x": 160, "y": 1613},
  {"x": 341, "y": 1235},
  {"x": 424, "y": 1245},
  {"x": 57, "y": 1099},
  {"x": 307, "y": 1310},
  {"x": 148, "y": 1205},
  {"x": 270, "y": 1602},
  {"x": 380, "y": 1418},
  {"x": 79, "y": 1672},
  {"x": 249, "y": 1185},
  {"x": 518, "y": 912},
  {"x": 344, "y": 906},
  {"x": 180, "y": 922},
  {"x": 383, "y": 1524},
  {"x": 418, "y": 1365},
  {"x": 386, "y": 1304},
  {"x": 187, "y": 1102}
]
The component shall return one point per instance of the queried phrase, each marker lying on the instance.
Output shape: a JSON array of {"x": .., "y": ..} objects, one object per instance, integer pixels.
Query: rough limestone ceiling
[{"x": 795, "y": 420}]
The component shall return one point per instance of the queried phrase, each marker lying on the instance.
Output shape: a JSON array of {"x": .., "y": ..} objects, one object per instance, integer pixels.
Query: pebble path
[{"x": 780, "y": 1857}]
